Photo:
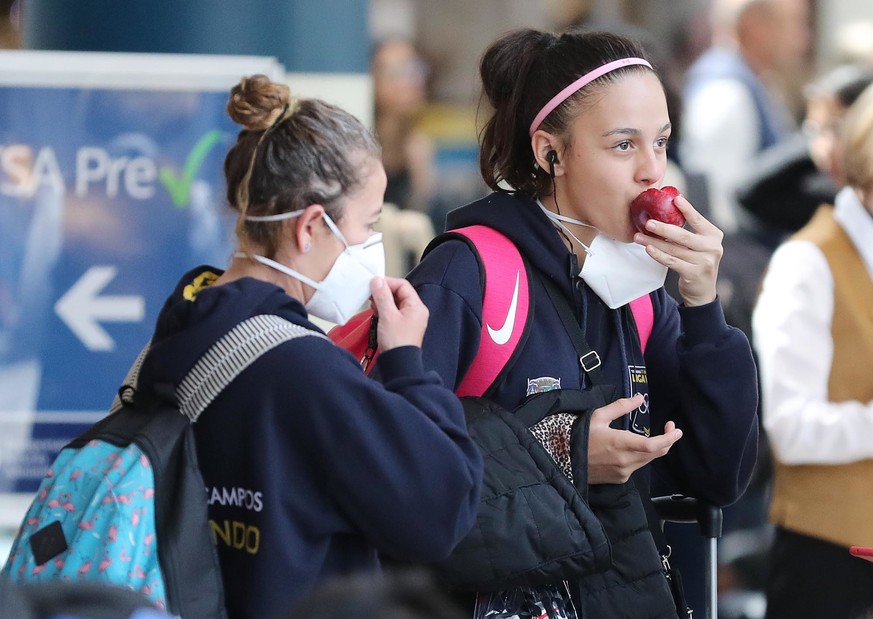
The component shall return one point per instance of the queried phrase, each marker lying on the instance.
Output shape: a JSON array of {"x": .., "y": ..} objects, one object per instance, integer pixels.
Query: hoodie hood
[
  {"x": 197, "y": 314},
  {"x": 520, "y": 219}
]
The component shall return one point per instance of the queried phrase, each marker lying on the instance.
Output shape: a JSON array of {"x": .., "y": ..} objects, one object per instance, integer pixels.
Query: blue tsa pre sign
[{"x": 110, "y": 187}]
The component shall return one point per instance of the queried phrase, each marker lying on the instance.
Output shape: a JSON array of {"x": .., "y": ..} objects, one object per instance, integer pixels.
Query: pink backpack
[{"x": 506, "y": 284}]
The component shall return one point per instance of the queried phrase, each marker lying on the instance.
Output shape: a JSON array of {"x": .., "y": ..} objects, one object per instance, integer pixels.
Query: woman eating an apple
[{"x": 578, "y": 130}]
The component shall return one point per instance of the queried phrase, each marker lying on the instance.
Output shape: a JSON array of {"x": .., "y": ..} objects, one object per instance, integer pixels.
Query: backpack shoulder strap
[
  {"x": 224, "y": 361},
  {"x": 644, "y": 317},
  {"x": 232, "y": 354},
  {"x": 131, "y": 380},
  {"x": 505, "y": 307}
]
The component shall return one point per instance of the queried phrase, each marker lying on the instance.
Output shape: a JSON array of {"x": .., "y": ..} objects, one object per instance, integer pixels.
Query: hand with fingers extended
[
  {"x": 694, "y": 254},
  {"x": 402, "y": 315},
  {"x": 614, "y": 454}
]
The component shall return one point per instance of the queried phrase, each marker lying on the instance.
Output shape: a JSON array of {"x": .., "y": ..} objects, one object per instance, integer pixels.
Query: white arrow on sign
[{"x": 81, "y": 309}]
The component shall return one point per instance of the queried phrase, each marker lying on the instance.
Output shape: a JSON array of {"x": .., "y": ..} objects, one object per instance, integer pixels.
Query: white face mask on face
[
  {"x": 346, "y": 288},
  {"x": 617, "y": 272}
]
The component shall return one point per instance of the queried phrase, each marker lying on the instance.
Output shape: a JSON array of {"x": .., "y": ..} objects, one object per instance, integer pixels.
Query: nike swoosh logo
[{"x": 501, "y": 335}]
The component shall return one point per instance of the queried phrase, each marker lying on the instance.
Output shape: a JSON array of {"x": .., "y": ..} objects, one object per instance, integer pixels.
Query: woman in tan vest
[{"x": 813, "y": 332}]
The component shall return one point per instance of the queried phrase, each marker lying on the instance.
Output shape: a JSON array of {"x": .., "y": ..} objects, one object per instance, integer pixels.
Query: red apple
[{"x": 656, "y": 204}]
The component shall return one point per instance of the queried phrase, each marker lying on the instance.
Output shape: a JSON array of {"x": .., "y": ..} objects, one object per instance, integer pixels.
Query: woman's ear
[
  {"x": 545, "y": 151},
  {"x": 306, "y": 228}
]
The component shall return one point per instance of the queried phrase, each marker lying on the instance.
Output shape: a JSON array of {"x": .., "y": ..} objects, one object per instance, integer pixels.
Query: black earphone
[{"x": 552, "y": 156}]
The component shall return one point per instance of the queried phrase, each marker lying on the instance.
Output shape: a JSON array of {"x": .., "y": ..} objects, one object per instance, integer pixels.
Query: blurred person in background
[
  {"x": 814, "y": 339},
  {"x": 785, "y": 186},
  {"x": 790, "y": 180},
  {"x": 399, "y": 88},
  {"x": 399, "y": 75},
  {"x": 732, "y": 107},
  {"x": 10, "y": 35}
]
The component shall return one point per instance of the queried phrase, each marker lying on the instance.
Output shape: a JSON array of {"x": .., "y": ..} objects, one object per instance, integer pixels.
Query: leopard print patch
[{"x": 553, "y": 433}]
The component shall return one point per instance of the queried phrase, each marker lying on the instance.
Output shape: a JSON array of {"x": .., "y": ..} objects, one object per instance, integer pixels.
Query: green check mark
[{"x": 179, "y": 187}]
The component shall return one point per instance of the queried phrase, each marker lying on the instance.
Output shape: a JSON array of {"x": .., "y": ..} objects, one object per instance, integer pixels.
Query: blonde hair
[
  {"x": 256, "y": 102},
  {"x": 858, "y": 142},
  {"x": 292, "y": 152}
]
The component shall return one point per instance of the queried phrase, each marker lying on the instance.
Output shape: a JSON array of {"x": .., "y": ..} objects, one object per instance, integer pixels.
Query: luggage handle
[
  {"x": 681, "y": 508},
  {"x": 686, "y": 509}
]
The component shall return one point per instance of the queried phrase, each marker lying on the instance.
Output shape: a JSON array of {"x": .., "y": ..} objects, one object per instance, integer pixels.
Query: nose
[{"x": 650, "y": 167}]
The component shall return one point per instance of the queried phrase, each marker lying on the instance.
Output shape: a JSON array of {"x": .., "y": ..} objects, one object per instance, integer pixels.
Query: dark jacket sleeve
[
  {"x": 702, "y": 376},
  {"x": 397, "y": 455}
]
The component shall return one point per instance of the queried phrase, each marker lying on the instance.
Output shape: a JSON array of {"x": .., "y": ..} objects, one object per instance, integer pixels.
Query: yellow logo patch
[{"x": 204, "y": 280}]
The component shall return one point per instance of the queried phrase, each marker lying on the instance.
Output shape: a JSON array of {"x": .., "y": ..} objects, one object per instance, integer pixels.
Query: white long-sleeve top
[{"x": 792, "y": 336}]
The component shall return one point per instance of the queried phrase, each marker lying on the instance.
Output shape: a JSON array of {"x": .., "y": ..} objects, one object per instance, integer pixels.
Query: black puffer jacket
[{"x": 534, "y": 524}]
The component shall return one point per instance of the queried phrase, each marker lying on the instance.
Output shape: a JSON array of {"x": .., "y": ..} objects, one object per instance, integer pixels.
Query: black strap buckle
[{"x": 594, "y": 363}]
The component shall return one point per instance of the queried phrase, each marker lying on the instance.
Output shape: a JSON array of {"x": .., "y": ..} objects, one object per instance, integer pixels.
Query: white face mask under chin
[
  {"x": 341, "y": 294},
  {"x": 620, "y": 272},
  {"x": 617, "y": 272}
]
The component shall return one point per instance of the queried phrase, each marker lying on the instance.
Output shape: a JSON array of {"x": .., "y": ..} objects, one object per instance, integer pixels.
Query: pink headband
[{"x": 562, "y": 96}]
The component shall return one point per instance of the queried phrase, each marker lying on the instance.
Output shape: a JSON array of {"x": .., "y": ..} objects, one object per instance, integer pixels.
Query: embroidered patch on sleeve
[{"x": 542, "y": 384}]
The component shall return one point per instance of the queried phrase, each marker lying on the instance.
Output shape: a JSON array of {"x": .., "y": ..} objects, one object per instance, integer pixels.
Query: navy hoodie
[
  {"x": 696, "y": 370},
  {"x": 310, "y": 466}
]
